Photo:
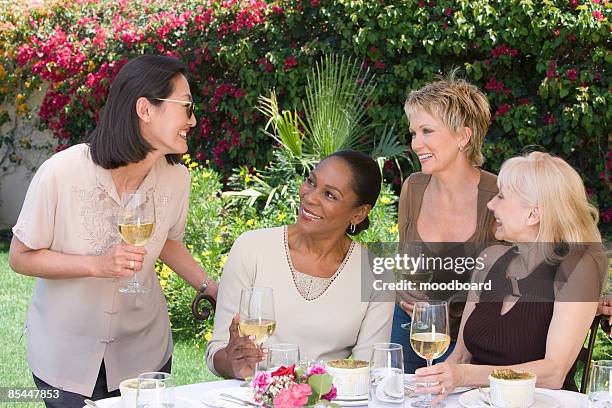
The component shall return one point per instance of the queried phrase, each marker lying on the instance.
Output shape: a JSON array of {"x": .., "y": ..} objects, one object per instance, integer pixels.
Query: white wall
[{"x": 15, "y": 179}]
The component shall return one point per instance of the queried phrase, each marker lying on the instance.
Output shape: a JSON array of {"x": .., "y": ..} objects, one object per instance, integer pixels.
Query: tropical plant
[{"x": 337, "y": 93}]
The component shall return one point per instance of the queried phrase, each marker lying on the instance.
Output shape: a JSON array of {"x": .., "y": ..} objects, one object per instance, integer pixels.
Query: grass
[{"x": 188, "y": 364}]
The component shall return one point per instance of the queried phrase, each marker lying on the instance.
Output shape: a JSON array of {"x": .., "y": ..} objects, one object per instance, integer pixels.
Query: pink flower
[
  {"x": 262, "y": 378},
  {"x": 502, "y": 110},
  {"x": 448, "y": 11},
  {"x": 598, "y": 15},
  {"x": 290, "y": 63},
  {"x": 333, "y": 393},
  {"x": 572, "y": 74},
  {"x": 549, "y": 119},
  {"x": 314, "y": 3},
  {"x": 316, "y": 369},
  {"x": 524, "y": 101},
  {"x": 379, "y": 65},
  {"x": 294, "y": 396}
]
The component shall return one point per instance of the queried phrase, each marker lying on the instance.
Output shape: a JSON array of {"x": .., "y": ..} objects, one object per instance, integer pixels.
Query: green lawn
[{"x": 15, "y": 290}]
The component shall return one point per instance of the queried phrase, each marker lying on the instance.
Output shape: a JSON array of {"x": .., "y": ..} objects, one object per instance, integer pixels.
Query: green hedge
[{"x": 542, "y": 65}]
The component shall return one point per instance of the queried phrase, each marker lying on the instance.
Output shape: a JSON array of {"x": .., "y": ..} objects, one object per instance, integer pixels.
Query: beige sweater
[{"x": 329, "y": 327}]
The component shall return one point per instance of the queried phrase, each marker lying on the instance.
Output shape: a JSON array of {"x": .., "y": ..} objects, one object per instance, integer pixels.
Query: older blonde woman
[
  {"x": 446, "y": 200},
  {"x": 548, "y": 283}
]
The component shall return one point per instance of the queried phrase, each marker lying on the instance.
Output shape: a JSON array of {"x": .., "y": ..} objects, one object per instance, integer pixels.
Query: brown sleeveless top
[
  {"x": 519, "y": 335},
  {"x": 411, "y": 199}
]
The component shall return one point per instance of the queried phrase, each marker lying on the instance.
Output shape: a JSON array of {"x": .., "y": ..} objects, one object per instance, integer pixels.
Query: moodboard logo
[{"x": 536, "y": 272}]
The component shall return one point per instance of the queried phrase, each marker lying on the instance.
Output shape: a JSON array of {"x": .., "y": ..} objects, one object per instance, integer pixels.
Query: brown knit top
[{"x": 411, "y": 200}]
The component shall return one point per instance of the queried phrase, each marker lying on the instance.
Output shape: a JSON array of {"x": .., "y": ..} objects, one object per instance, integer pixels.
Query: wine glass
[
  {"x": 282, "y": 354},
  {"x": 386, "y": 375},
  {"x": 257, "y": 314},
  {"x": 600, "y": 384},
  {"x": 429, "y": 336},
  {"x": 155, "y": 390},
  {"x": 136, "y": 225}
]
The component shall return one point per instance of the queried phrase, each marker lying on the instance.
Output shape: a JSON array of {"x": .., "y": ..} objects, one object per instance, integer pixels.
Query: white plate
[
  {"x": 353, "y": 397},
  {"x": 541, "y": 400},
  {"x": 352, "y": 401},
  {"x": 458, "y": 390},
  {"x": 214, "y": 397},
  {"x": 115, "y": 402}
]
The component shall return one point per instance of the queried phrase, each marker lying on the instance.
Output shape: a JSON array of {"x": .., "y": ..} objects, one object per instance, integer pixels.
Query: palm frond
[
  {"x": 287, "y": 127},
  {"x": 337, "y": 92},
  {"x": 388, "y": 145}
]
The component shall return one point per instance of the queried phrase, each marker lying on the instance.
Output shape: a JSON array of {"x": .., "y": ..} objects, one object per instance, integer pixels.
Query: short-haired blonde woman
[
  {"x": 545, "y": 287},
  {"x": 446, "y": 200}
]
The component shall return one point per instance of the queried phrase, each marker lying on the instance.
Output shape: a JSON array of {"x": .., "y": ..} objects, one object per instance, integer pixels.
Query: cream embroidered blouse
[
  {"x": 343, "y": 315},
  {"x": 72, "y": 207}
]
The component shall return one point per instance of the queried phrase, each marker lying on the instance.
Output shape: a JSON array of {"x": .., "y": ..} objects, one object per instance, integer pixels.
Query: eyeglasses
[{"x": 189, "y": 106}]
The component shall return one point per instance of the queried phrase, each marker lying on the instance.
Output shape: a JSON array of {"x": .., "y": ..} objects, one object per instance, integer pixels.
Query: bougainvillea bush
[{"x": 543, "y": 65}]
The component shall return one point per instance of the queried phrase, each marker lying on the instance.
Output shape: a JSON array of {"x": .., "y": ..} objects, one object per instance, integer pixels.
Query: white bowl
[
  {"x": 350, "y": 382},
  {"x": 506, "y": 393}
]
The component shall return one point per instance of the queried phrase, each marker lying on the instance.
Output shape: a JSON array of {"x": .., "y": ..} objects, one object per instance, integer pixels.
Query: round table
[{"x": 196, "y": 391}]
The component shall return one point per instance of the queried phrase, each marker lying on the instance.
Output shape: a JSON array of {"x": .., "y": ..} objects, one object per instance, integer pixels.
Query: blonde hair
[
  {"x": 539, "y": 179},
  {"x": 458, "y": 104}
]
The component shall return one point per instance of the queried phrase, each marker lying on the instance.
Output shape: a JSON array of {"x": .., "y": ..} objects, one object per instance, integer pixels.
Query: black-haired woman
[
  {"x": 84, "y": 336},
  {"x": 315, "y": 270}
]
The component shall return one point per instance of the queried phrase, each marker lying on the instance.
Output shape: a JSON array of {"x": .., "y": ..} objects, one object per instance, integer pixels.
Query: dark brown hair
[
  {"x": 117, "y": 140},
  {"x": 366, "y": 181}
]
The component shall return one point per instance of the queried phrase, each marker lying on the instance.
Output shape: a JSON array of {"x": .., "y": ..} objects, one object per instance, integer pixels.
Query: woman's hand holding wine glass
[
  {"x": 429, "y": 336},
  {"x": 117, "y": 261},
  {"x": 243, "y": 354},
  {"x": 136, "y": 226}
]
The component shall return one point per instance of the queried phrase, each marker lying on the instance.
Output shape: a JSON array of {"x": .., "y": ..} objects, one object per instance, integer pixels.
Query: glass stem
[
  {"x": 259, "y": 346},
  {"x": 428, "y": 397}
]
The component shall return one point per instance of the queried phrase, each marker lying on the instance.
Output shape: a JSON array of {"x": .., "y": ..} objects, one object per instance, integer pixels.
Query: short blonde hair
[
  {"x": 458, "y": 104},
  {"x": 557, "y": 189}
]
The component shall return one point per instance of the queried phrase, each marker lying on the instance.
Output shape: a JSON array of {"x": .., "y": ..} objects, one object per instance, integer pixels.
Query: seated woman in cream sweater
[{"x": 315, "y": 270}]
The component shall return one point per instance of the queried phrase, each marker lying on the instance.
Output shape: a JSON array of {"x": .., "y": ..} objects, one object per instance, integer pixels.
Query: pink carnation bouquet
[{"x": 290, "y": 387}]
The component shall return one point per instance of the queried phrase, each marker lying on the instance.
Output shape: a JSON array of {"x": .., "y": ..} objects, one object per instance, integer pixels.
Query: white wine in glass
[
  {"x": 429, "y": 336},
  {"x": 257, "y": 317},
  {"x": 136, "y": 225},
  {"x": 261, "y": 329}
]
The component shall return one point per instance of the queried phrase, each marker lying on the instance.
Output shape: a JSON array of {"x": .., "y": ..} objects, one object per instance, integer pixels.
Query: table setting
[{"x": 284, "y": 380}]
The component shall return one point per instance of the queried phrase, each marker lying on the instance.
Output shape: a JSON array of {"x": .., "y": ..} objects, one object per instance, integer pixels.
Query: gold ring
[{"x": 132, "y": 266}]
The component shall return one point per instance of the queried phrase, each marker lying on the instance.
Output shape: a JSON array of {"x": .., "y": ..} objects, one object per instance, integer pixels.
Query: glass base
[
  {"x": 135, "y": 287},
  {"x": 426, "y": 404}
]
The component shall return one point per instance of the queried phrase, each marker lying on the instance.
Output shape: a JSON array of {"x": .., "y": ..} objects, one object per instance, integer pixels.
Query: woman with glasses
[{"x": 84, "y": 335}]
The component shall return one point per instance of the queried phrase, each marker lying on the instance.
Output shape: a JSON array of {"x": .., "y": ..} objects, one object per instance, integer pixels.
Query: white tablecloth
[{"x": 196, "y": 391}]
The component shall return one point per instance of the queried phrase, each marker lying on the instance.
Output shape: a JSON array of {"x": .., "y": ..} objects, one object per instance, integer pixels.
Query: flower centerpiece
[{"x": 290, "y": 387}]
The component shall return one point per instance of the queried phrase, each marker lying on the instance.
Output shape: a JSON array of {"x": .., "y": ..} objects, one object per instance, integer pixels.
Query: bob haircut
[
  {"x": 117, "y": 140},
  {"x": 457, "y": 104}
]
